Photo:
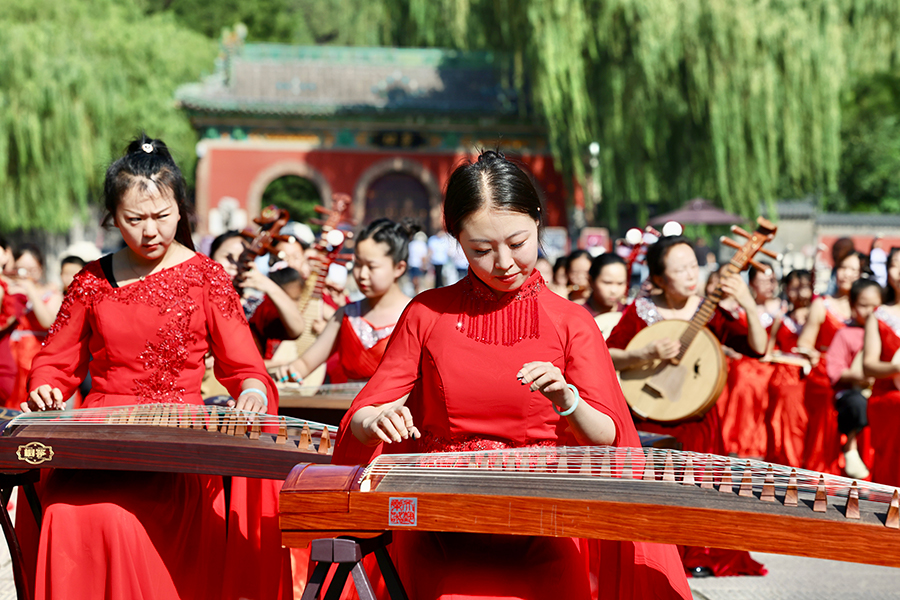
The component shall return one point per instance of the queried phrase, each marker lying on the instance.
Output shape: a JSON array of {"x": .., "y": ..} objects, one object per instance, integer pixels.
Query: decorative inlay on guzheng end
[
  {"x": 642, "y": 494},
  {"x": 175, "y": 438}
]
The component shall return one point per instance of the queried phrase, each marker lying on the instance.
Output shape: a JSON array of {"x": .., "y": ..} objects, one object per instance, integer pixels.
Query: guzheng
[
  {"x": 641, "y": 494},
  {"x": 177, "y": 438},
  {"x": 329, "y": 396}
]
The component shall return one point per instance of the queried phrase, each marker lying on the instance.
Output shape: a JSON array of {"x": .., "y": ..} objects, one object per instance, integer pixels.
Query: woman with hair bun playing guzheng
[
  {"x": 498, "y": 361},
  {"x": 146, "y": 315}
]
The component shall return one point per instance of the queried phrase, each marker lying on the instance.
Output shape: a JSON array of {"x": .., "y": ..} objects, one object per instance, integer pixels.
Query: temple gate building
[{"x": 384, "y": 125}]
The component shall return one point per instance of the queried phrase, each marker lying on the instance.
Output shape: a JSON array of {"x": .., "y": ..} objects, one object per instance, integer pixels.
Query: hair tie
[{"x": 147, "y": 147}]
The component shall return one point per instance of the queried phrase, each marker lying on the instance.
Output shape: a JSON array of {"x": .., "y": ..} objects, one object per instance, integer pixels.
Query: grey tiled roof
[{"x": 293, "y": 80}]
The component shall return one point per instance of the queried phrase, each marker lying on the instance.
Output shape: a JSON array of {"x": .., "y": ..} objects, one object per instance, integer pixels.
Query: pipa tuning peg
[
  {"x": 727, "y": 241},
  {"x": 759, "y": 266},
  {"x": 738, "y": 231},
  {"x": 770, "y": 254}
]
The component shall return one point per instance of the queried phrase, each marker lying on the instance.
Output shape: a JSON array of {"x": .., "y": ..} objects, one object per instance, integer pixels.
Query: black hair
[
  {"x": 29, "y": 249},
  {"x": 604, "y": 260},
  {"x": 491, "y": 180},
  {"x": 798, "y": 274},
  {"x": 752, "y": 272},
  {"x": 575, "y": 255},
  {"x": 890, "y": 296},
  {"x": 148, "y": 160},
  {"x": 395, "y": 235},
  {"x": 561, "y": 263},
  {"x": 72, "y": 260},
  {"x": 863, "y": 262},
  {"x": 284, "y": 276},
  {"x": 221, "y": 239},
  {"x": 861, "y": 285},
  {"x": 657, "y": 252},
  {"x": 4, "y": 243}
]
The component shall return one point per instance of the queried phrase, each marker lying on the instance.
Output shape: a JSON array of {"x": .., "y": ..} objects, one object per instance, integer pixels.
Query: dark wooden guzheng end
[
  {"x": 648, "y": 494},
  {"x": 163, "y": 438}
]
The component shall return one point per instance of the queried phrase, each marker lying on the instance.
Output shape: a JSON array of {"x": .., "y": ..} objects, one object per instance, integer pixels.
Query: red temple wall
[{"x": 241, "y": 170}]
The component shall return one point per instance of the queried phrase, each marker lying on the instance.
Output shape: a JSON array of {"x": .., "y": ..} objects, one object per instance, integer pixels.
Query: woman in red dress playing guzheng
[
  {"x": 359, "y": 332},
  {"x": 498, "y": 361},
  {"x": 674, "y": 271},
  {"x": 882, "y": 342},
  {"x": 147, "y": 315},
  {"x": 822, "y": 446}
]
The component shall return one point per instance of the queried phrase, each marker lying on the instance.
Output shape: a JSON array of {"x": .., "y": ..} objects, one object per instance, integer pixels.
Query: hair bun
[
  {"x": 489, "y": 156},
  {"x": 408, "y": 227}
]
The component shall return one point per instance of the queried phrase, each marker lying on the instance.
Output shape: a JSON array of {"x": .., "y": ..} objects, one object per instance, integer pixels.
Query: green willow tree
[
  {"x": 740, "y": 101},
  {"x": 78, "y": 79}
]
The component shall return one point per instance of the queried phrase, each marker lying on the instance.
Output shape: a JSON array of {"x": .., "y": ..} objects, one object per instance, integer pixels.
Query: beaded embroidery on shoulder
[
  {"x": 647, "y": 310},
  {"x": 888, "y": 318}
]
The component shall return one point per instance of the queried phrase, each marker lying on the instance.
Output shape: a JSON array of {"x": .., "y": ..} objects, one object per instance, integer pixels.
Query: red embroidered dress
[
  {"x": 786, "y": 414},
  {"x": 360, "y": 345},
  {"x": 742, "y": 410},
  {"x": 884, "y": 408},
  {"x": 141, "y": 535},
  {"x": 822, "y": 445},
  {"x": 456, "y": 350}
]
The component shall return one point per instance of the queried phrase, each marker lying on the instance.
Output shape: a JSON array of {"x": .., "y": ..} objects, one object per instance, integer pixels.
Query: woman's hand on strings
[
  {"x": 546, "y": 378},
  {"x": 390, "y": 423},
  {"x": 44, "y": 398},
  {"x": 662, "y": 349},
  {"x": 285, "y": 373},
  {"x": 250, "y": 402}
]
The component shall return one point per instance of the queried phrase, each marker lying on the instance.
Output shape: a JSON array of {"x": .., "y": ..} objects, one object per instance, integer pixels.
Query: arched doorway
[
  {"x": 398, "y": 195},
  {"x": 297, "y": 195}
]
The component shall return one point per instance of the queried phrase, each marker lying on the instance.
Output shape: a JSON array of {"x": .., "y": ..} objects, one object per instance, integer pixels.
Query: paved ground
[{"x": 795, "y": 578}]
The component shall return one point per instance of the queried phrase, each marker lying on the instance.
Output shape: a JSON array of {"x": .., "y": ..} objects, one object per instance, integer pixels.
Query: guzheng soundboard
[
  {"x": 641, "y": 494},
  {"x": 175, "y": 438}
]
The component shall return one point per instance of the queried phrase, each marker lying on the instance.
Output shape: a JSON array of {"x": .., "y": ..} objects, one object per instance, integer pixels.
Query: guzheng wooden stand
[
  {"x": 25, "y": 481},
  {"x": 347, "y": 554}
]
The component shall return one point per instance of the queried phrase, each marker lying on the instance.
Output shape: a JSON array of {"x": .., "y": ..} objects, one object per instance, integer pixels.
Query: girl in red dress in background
[
  {"x": 498, "y": 361},
  {"x": 38, "y": 305},
  {"x": 743, "y": 410},
  {"x": 674, "y": 271},
  {"x": 359, "y": 332},
  {"x": 147, "y": 315},
  {"x": 882, "y": 342},
  {"x": 786, "y": 413},
  {"x": 578, "y": 267},
  {"x": 822, "y": 446}
]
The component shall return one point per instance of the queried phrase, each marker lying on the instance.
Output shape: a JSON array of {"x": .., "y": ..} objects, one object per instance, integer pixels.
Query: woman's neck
[
  {"x": 674, "y": 302},
  {"x": 598, "y": 307},
  {"x": 394, "y": 293}
]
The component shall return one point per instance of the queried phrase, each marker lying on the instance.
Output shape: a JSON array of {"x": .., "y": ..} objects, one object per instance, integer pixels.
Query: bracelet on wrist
[
  {"x": 262, "y": 393},
  {"x": 571, "y": 409}
]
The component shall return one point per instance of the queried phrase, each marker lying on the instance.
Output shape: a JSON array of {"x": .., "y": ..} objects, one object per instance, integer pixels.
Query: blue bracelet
[
  {"x": 572, "y": 408},
  {"x": 261, "y": 393}
]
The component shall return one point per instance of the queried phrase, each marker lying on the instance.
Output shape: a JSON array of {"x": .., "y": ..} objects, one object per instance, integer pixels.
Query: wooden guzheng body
[
  {"x": 176, "y": 438},
  {"x": 336, "y": 395},
  {"x": 642, "y": 494}
]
